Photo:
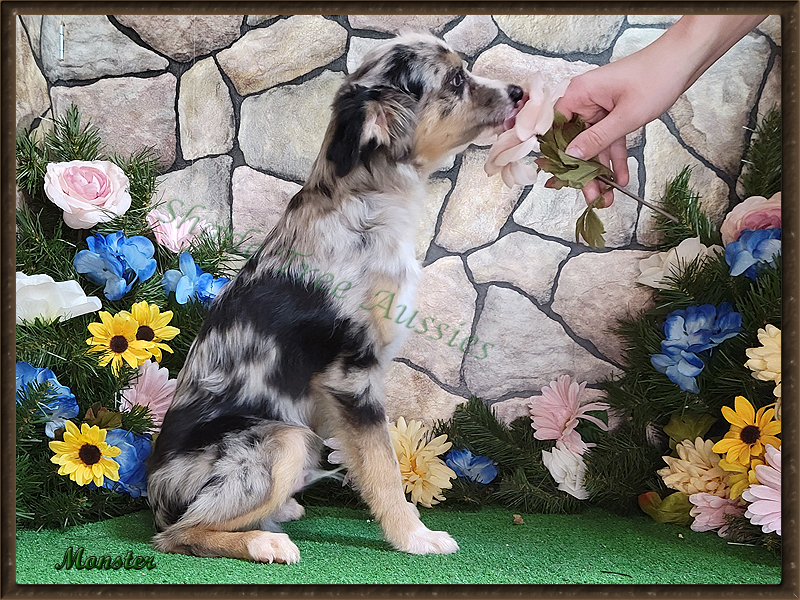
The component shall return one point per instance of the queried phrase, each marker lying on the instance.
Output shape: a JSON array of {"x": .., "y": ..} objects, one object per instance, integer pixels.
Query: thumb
[{"x": 598, "y": 137}]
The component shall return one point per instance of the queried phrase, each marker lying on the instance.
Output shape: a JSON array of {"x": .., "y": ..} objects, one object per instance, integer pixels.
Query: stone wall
[{"x": 236, "y": 105}]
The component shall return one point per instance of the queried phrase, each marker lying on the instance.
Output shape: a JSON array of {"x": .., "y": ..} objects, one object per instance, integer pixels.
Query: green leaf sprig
[
  {"x": 568, "y": 170},
  {"x": 590, "y": 227}
]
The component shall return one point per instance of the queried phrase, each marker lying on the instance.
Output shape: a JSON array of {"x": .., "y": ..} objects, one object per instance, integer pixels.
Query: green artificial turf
[{"x": 340, "y": 545}]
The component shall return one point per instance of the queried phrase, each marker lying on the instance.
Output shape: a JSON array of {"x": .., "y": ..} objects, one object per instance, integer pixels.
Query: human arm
[{"x": 618, "y": 98}]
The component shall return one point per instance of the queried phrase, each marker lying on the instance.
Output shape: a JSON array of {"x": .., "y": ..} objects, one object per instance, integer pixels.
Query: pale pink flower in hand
[
  {"x": 153, "y": 388},
  {"x": 765, "y": 499},
  {"x": 556, "y": 412},
  {"x": 709, "y": 512},
  {"x": 534, "y": 118},
  {"x": 175, "y": 234}
]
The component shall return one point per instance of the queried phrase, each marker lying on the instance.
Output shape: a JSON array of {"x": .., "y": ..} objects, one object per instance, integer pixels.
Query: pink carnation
[
  {"x": 765, "y": 499},
  {"x": 709, "y": 512},
  {"x": 171, "y": 234},
  {"x": 754, "y": 213},
  {"x": 153, "y": 388},
  {"x": 556, "y": 412}
]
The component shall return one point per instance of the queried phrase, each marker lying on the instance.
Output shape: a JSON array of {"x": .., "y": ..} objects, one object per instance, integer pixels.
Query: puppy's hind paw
[
  {"x": 273, "y": 547},
  {"x": 425, "y": 541}
]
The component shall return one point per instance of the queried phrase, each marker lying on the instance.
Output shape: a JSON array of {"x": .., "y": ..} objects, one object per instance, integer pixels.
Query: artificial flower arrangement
[
  {"x": 690, "y": 433},
  {"x": 110, "y": 295}
]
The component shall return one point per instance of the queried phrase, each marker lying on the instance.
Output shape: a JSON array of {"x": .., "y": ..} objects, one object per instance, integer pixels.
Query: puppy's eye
[{"x": 458, "y": 80}]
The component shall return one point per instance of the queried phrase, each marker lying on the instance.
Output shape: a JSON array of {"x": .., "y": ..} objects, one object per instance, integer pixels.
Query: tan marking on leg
[
  {"x": 373, "y": 467},
  {"x": 231, "y": 538}
]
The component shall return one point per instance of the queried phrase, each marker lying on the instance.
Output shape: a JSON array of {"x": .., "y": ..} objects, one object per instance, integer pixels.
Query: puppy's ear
[{"x": 368, "y": 119}]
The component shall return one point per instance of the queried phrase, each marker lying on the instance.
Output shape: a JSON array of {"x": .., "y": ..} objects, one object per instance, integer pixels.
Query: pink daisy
[
  {"x": 153, "y": 388},
  {"x": 174, "y": 234},
  {"x": 709, "y": 512},
  {"x": 556, "y": 412},
  {"x": 765, "y": 499}
]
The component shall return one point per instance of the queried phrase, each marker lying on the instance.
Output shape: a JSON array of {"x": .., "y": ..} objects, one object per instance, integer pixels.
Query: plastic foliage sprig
[
  {"x": 568, "y": 170},
  {"x": 574, "y": 172},
  {"x": 590, "y": 227}
]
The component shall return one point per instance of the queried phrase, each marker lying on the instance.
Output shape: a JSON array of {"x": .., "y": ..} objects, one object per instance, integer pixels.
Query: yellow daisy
[
  {"x": 84, "y": 455},
  {"x": 115, "y": 337},
  {"x": 740, "y": 477},
  {"x": 750, "y": 431},
  {"x": 423, "y": 473},
  {"x": 153, "y": 326}
]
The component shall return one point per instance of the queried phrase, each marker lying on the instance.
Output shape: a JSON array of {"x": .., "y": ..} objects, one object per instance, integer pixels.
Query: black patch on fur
[
  {"x": 350, "y": 113},
  {"x": 186, "y": 428},
  {"x": 170, "y": 513},
  {"x": 400, "y": 74},
  {"x": 360, "y": 410},
  {"x": 300, "y": 318}
]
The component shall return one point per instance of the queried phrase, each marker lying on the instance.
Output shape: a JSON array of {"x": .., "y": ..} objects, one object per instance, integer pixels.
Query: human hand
[{"x": 618, "y": 98}]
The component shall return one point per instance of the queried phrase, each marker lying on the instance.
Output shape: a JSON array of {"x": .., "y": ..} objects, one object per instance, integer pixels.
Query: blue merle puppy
[{"x": 286, "y": 358}]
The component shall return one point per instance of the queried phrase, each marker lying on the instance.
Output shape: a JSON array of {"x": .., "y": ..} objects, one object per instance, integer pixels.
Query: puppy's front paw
[
  {"x": 425, "y": 541},
  {"x": 273, "y": 547}
]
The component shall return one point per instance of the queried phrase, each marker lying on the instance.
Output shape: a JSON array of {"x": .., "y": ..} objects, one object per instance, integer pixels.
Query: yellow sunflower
[
  {"x": 424, "y": 474},
  {"x": 84, "y": 455},
  {"x": 115, "y": 337},
  {"x": 750, "y": 431},
  {"x": 740, "y": 477},
  {"x": 153, "y": 326}
]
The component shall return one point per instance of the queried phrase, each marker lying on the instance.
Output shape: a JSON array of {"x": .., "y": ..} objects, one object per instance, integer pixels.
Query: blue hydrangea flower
[
  {"x": 727, "y": 324},
  {"x": 135, "y": 450},
  {"x": 61, "y": 403},
  {"x": 479, "y": 469},
  {"x": 116, "y": 262},
  {"x": 690, "y": 329},
  {"x": 754, "y": 249},
  {"x": 688, "y": 332},
  {"x": 680, "y": 366},
  {"x": 191, "y": 281}
]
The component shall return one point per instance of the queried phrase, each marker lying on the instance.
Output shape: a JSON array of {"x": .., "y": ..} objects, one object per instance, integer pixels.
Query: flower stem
[{"x": 635, "y": 197}]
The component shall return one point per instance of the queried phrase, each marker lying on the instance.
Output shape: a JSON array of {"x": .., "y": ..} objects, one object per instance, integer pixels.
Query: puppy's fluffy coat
[{"x": 282, "y": 360}]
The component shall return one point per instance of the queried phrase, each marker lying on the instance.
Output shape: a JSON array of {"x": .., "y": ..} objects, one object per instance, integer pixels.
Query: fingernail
[{"x": 575, "y": 152}]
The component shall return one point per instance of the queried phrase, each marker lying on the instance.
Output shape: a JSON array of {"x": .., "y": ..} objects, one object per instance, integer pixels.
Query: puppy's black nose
[{"x": 515, "y": 93}]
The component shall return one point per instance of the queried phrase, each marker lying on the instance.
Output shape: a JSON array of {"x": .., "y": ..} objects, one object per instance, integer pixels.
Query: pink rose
[
  {"x": 754, "y": 213},
  {"x": 172, "y": 234},
  {"x": 89, "y": 192},
  {"x": 534, "y": 118}
]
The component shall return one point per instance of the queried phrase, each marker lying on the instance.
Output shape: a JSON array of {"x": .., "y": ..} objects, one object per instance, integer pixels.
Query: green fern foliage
[{"x": 761, "y": 175}]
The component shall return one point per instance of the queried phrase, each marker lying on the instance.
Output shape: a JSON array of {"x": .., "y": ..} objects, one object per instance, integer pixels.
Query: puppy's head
[{"x": 413, "y": 100}]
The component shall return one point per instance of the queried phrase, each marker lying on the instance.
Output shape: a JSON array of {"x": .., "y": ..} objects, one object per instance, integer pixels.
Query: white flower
[
  {"x": 41, "y": 296},
  {"x": 661, "y": 265},
  {"x": 89, "y": 192},
  {"x": 568, "y": 469}
]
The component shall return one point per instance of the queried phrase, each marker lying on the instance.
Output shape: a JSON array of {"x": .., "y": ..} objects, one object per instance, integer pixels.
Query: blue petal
[
  {"x": 661, "y": 362},
  {"x": 170, "y": 280},
  {"x": 687, "y": 384},
  {"x": 184, "y": 290},
  {"x": 741, "y": 262},
  {"x": 138, "y": 252},
  {"x": 116, "y": 288},
  {"x": 690, "y": 365},
  {"x": 767, "y": 250},
  {"x": 187, "y": 266}
]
